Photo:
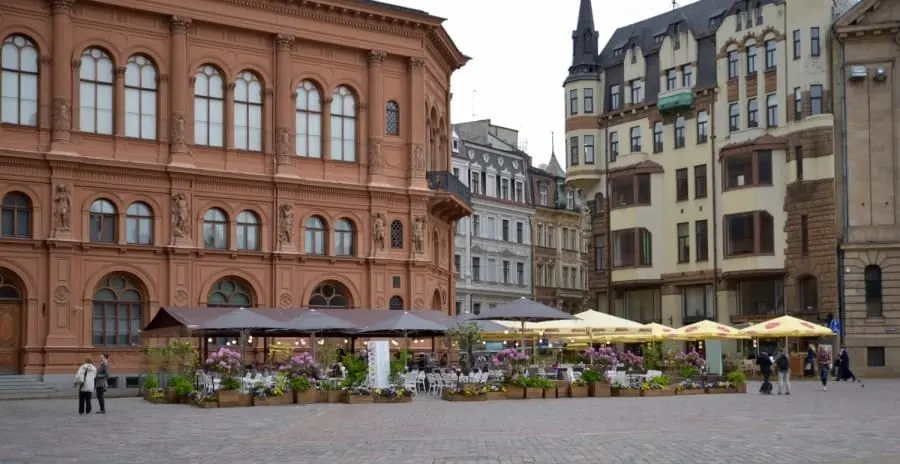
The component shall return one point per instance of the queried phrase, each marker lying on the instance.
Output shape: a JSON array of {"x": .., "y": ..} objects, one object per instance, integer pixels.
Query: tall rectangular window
[
  {"x": 815, "y": 99},
  {"x": 681, "y": 184},
  {"x": 752, "y": 113},
  {"x": 687, "y": 76},
  {"x": 476, "y": 268},
  {"x": 573, "y": 151},
  {"x": 771, "y": 47},
  {"x": 734, "y": 117},
  {"x": 772, "y": 110},
  {"x": 700, "y": 181},
  {"x": 637, "y": 91},
  {"x": 520, "y": 232},
  {"x": 671, "y": 79},
  {"x": 615, "y": 97},
  {"x": 635, "y": 139},
  {"x": 815, "y": 46},
  {"x": 798, "y": 104},
  {"x": 599, "y": 251},
  {"x": 658, "y": 137},
  {"x": 797, "y": 45},
  {"x": 751, "y": 59},
  {"x": 613, "y": 146},
  {"x": 684, "y": 242},
  {"x": 702, "y": 127},
  {"x": 798, "y": 160},
  {"x": 588, "y": 100},
  {"x": 701, "y": 237},
  {"x": 733, "y": 64},
  {"x": 573, "y": 101},
  {"x": 588, "y": 149}
]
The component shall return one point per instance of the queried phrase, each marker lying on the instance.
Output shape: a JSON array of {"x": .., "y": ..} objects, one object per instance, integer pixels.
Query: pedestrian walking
[
  {"x": 765, "y": 368},
  {"x": 84, "y": 383},
  {"x": 810, "y": 366},
  {"x": 845, "y": 373},
  {"x": 823, "y": 358},
  {"x": 101, "y": 384},
  {"x": 783, "y": 365}
]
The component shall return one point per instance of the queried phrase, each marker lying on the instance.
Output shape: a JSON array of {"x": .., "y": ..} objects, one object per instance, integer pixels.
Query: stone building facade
[
  {"x": 702, "y": 138},
  {"x": 493, "y": 245},
  {"x": 867, "y": 93},
  {"x": 287, "y": 155},
  {"x": 561, "y": 231}
]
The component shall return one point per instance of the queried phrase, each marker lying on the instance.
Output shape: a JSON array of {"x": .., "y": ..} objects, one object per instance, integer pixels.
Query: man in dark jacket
[
  {"x": 765, "y": 368},
  {"x": 101, "y": 384},
  {"x": 783, "y": 365}
]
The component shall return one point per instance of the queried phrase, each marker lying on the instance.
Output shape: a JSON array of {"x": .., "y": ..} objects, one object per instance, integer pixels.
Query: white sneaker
[{"x": 824, "y": 389}]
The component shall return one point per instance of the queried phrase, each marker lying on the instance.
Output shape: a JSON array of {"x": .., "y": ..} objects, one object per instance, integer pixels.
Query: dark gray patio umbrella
[
  {"x": 314, "y": 322},
  {"x": 523, "y": 310},
  {"x": 405, "y": 323},
  {"x": 484, "y": 326},
  {"x": 241, "y": 319}
]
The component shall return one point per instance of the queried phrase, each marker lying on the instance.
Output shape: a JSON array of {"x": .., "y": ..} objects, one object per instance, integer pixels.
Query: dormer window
[
  {"x": 738, "y": 20},
  {"x": 658, "y": 39},
  {"x": 618, "y": 51},
  {"x": 713, "y": 22},
  {"x": 633, "y": 53},
  {"x": 759, "y": 14},
  {"x": 455, "y": 145},
  {"x": 676, "y": 37}
]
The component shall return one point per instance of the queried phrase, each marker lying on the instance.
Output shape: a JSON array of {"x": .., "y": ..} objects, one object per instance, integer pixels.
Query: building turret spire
[{"x": 585, "y": 41}]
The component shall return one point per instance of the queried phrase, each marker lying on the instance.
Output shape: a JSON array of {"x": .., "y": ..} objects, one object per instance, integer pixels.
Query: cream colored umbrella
[
  {"x": 658, "y": 332},
  {"x": 705, "y": 330},
  {"x": 786, "y": 326}
]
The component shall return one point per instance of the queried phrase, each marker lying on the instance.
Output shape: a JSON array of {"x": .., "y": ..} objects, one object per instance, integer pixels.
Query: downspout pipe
[
  {"x": 714, "y": 187},
  {"x": 845, "y": 203},
  {"x": 607, "y": 213}
]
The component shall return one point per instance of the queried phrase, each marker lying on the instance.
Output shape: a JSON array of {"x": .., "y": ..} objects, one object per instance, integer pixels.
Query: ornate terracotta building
[{"x": 277, "y": 154}]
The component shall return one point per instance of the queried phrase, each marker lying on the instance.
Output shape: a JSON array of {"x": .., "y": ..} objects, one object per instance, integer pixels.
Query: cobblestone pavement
[{"x": 845, "y": 425}]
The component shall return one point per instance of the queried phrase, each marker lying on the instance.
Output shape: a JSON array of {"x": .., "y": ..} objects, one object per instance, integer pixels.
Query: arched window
[
  {"x": 16, "y": 218},
  {"x": 392, "y": 118},
  {"x": 872, "y": 276},
  {"x": 139, "y": 224},
  {"x": 229, "y": 293},
  {"x": 396, "y": 303},
  {"x": 343, "y": 125},
  {"x": 329, "y": 295},
  {"x": 309, "y": 120},
  {"x": 248, "y": 112},
  {"x": 19, "y": 84},
  {"x": 140, "y": 98},
  {"x": 247, "y": 231},
  {"x": 314, "y": 236},
  {"x": 8, "y": 290},
  {"x": 118, "y": 312},
  {"x": 215, "y": 229},
  {"x": 97, "y": 74},
  {"x": 209, "y": 107},
  {"x": 343, "y": 238},
  {"x": 103, "y": 221},
  {"x": 396, "y": 234}
]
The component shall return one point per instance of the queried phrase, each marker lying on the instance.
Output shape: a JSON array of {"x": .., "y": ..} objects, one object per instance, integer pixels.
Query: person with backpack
[
  {"x": 823, "y": 358},
  {"x": 783, "y": 365},
  {"x": 765, "y": 368}
]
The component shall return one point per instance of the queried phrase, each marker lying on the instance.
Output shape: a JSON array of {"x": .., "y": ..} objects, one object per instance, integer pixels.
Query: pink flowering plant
[
  {"x": 224, "y": 361},
  {"x": 511, "y": 360},
  {"x": 689, "y": 363},
  {"x": 300, "y": 365},
  {"x": 602, "y": 358},
  {"x": 632, "y": 361}
]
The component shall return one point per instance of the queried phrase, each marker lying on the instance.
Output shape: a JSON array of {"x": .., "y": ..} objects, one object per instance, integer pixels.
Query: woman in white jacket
[{"x": 84, "y": 382}]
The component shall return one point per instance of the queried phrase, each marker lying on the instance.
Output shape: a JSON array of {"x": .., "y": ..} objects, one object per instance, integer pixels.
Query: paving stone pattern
[{"x": 846, "y": 425}]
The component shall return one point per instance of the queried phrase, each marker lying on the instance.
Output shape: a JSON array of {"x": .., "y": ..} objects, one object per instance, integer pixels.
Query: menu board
[{"x": 379, "y": 364}]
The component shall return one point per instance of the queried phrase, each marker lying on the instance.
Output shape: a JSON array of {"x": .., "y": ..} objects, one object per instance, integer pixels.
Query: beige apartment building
[
  {"x": 864, "y": 57},
  {"x": 703, "y": 138},
  {"x": 561, "y": 231}
]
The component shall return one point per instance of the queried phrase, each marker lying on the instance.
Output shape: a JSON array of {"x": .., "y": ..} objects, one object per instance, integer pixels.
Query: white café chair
[
  {"x": 409, "y": 381},
  {"x": 420, "y": 381}
]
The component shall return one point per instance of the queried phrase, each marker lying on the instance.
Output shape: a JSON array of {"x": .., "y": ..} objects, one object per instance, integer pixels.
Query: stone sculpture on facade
[
  {"x": 62, "y": 118},
  {"x": 418, "y": 159},
  {"x": 378, "y": 230},
  {"x": 283, "y": 143},
  {"x": 419, "y": 234},
  {"x": 62, "y": 208},
  {"x": 285, "y": 223},
  {"x": 177, "y": 132},
  {"x": 376, "y": 156},
  {"x": 181, "y": 216}
]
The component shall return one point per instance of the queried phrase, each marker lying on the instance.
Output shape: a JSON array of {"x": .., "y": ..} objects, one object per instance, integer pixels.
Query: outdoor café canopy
[
  {"x": 705, "y": 330},
  {"x": 657, "y": 332},
  {"x": 588, "y": 322},
  {"x": 786, "y": 326}
]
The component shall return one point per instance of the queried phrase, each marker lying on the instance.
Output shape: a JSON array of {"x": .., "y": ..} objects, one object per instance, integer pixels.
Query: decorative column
[
  {"x": 180, "y": 79},
  {"x": 417, "y": 126},
  {"x": 284, "y": 146},
  {"x": 228, "y": 124},
  {"x": 119, "y": 110},
  {"x": 376, "y": 116},
  {"x": 61, "y": 124},
  {"x": 326, "y": 125}
]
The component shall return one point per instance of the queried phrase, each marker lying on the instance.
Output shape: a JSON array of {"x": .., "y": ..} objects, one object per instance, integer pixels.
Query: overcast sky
[{"x": 521, "y": 51}]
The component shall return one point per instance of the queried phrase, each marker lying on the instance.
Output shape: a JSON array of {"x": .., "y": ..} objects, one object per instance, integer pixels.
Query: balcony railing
[{"x": 445, "y": 181}]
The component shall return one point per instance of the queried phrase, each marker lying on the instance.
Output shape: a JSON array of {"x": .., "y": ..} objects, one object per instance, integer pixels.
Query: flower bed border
[
  {"x": 207, "y": 404},
  {"x": 494, "y": 396},
  {"x": 690, "y": 391},
  {"x": 357, "y": 399},
  {"x": 599, "y": 390},
  {"x": 391, "y": 400},
  {"x": 274, "y": 400},
  {"x": 234, "y": 399},
  {"x": 577, "y": 392},
  {"x": 721, "y": 390},
  {"x": 515, "y": 392},
  {"x": 446, "y": 396},
  {"x": 626, "y": 392},
  {"x": 657, "y": 392},
  {"x": 534, "y": 393},
  {"x": 306, "y": 397},
  {"x": 334, "y": 396}
]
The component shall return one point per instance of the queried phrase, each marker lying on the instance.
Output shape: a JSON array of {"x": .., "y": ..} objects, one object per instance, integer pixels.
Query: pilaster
[
  {"x": 284, "y": 140},
  {"x": 61, "y": 124},
  {"x": 375, "y": 154},
  {"x": 179, "y": 154},
  {"x": 418, "y": 127}
]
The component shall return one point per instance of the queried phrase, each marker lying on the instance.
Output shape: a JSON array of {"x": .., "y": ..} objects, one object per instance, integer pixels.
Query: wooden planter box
[
  {"x": 155, "y": 400},
  {"x": 334, "y": 396},
  {"x": 578, "y": 392},
  {"x": 274, "y": 400},
  {"x": 691, "y": 391},
  {"x": 357, "y": 399},
  {"x": 716, "y": 391},
  {"x": 551, "y": 393},
  {"x": 491, "y": 396},
  {"x": 662, "y": 392},
  {"x": 234, "y": 399},
  {"x": 321, "y": 396},
  {"x": 448, "y": 397},
  {"x": 742, "y": 388},
  {"x": 171, "y": 396},
  {"x": 306, "y": 397},
  {"x": 207, "y": 404},
  {"x": 515, "y": 393},
  {"x": 626, "y": 392},
  {"x": 534, "y": 393},
  {"x": 599, "y": 390},
  {"x": 382, "y": 399}
]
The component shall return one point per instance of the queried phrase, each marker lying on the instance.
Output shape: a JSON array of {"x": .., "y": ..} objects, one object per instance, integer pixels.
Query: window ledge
[
  {"x": 744, "y": 187},
  {"x": 625, "y": 268},
  {"x": 877, "y": 320},
  {"x": 749, "y": 255},
  {"x": 636, "y": 205}
]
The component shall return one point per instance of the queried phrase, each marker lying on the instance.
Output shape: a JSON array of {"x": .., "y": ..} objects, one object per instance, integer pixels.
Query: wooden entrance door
[{"x": 10, "y": 336}]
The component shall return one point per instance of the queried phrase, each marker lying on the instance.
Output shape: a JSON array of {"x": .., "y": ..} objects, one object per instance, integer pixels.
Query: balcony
[
  {"x": 584, "y": 176},
  {"x": 672, "y": 101},
  {"x": 452, "y": 199}
]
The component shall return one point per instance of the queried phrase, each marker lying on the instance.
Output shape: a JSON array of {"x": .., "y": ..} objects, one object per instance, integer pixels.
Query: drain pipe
[
  {"x": 607, "y": 207},
  {"x": 713, "y": 188},
  {"x": 845, "y": 203}
]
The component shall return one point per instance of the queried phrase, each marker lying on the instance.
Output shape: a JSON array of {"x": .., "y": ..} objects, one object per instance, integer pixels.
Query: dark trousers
[
  {"x": 84, "y": 402},
  {"x": 101, "y": 398},
  {"x": 823, "y": 375}
]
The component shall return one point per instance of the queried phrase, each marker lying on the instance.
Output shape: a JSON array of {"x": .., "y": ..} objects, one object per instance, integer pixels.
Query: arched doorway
[
  {"x": 437, "y": 303},
  {"x": 10, "y": 323},
  {"x": 229, "y": 292},
  {"x": 330, "y": 295}
]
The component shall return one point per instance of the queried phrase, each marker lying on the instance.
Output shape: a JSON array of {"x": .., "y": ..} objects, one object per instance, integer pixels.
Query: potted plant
[
  {"x": 512, "y": 362},
  {"x": 304, "y": 390},
  {"x": 624, "y": 390},
  {"x": 577, "y": 389},
  {"x": 272, "y": 395},
  {"x": 152, "y": 392},
  {"x": 180, "y": 389},
  {"x": 534, "y": 387},
  {"x": 333, "y": 393},
  {"x": 227, "y": 363},
  {"x": 657, "y": 386},
  {"x": 594, "y": 381},
  {"x": 394, "y": 394},
  {"x": 739, "y": 381},
  {"x": 464, "y": 393},
  {"x": 549, "y": 387},
  {"x": 357, "y": 395},
  {"x": 720, "y": 386},
  {"x": 229, "y": 394},
  {"x": 495, "y": 391},
  {"x": 689, "y": 363},
  {"x": 688, "y": 387}
]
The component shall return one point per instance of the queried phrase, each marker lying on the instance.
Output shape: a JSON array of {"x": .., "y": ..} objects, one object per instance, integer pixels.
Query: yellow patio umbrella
[
  {"x": 658, "y": 332},
  {"x": 705, "y": 330},
  {"x": 786, "y": 326}
]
